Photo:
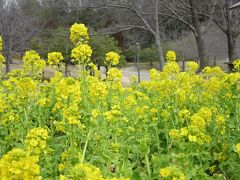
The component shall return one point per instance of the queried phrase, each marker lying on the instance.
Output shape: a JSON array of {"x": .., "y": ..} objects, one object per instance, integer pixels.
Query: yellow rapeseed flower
[
  {"x": 192, "y": 66},
  {"x": 198, "y": 121},
  {"x": 238, "y": 149},
  {"x": 114, "y": 74},
  {"x": 184, "y": 132},
  {"x": 79, "y": 33},
  {"x": 236, "y": 64},
  {"x": 112, "y": 58},
  {"x": 83, "y": 172},
  {"x": 221, "y": 156},
  {"x": 165, "y": 172},
  {"x": 59, "y": 125},
  {"x": 153, "y": 74},
  {"x": 95, "y": 113},
  {"x": 171, "y": 67},
  {"x": 220, "y": 120},
  {"x": 165, "y": 114},
  {"x": 2, "y": 60},
  {"x": 33, "y": 63},
  {"x": 81, "y": 54},
  {"x": 174, "y": 133},
  {"x": 54, "y": 58},
  {"x": 171, "y": 56},
  {"x": 205, "y": 113},
  {"x": 192, "y": 138},
  {"x": 184, "y": 114},
  {"x": 18, "y": 164},
  {"x": 36, "y": 140},
  {"x": 172, "y": 172},
  {"x": 97, "y": 89},
  {"x": 43, "y": 102}
]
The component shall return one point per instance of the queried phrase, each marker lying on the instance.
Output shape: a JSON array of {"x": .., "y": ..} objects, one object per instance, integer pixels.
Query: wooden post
[
  {"x": 138, "y": 61},
  {"x": 215, "y": 61},
  {"x": 183, "y": 65}
]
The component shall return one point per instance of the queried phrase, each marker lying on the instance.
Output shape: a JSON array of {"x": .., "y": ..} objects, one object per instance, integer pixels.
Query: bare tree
[
  {"x": 15, "y": 28},
  {"x": 229, "y": 22},
  {"x": 197, "y": 16},
  {"x": 144, "y": 15}
]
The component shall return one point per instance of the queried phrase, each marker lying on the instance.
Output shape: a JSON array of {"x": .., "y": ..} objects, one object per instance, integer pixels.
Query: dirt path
[{"x": 127, "y": 71}]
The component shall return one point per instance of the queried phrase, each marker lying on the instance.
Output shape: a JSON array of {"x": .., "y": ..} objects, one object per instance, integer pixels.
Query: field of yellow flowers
[{"x": 178, "y": 125}]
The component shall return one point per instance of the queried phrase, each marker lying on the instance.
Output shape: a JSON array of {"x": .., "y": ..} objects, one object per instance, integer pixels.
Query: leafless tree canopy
[{"x": 149, "y": 22}]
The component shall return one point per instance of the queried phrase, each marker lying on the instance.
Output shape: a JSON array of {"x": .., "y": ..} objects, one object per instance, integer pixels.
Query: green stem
[
  {"x": 72, "y": 138},
  {"x": 85, "y": 147},
  {"x": 237, "y": 114},
  {"x": 148, "y": 166}
]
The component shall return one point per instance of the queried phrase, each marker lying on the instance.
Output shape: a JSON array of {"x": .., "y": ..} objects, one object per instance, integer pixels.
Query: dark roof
[{"x": 235, "y": 6}]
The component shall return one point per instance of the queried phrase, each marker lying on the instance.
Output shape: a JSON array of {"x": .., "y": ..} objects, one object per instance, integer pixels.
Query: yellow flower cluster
[
  {"x": 205, "y": 113},
  {"x": 165, "y": 172},
  {"x": 174, "y": 134},
  {"x": 192, "y": 138},
  {"x": 79, "y": 33},
  {"x": 81, "y": 54},
  {"x": 184, "y": 132},
  {"x": 192, "y": 66},
  {"x": 238, "y": 149},
  {"x": 67, "y": 89},
  {"x": 171, "y": 67},
  {"x": 97, "y": 89},
  {"x": 66, "y": 156},
  {"x": 112, "y": 58},
  {"x": 180, "y": 115},
  {"x": 220, "y": 120},
  {"x": 184, "y": 114},
  {"x": 36, "y": 140},
  {"x": 171, "y": 56},
  {"x": 43, "y": 102},
  {"x": 71, "y": 114},
  {"x": 83, "y": 172},
  {"x": 69, "y": 96},
  {"x": 54, "y": 58},
  {"x": 9, "y": 118},
  {"x": 236, "y": 65},
  {"x": 32, "y": 63},
  {"x": 95, "y": 113},
  {"x": 173, "y": 172},
  {"x": 214, "y": 72},
  {"x": 2, "y": 59},
  {"x": 113, "y": 114},
  {"x": 153, "y": 74},
  {"x": 26, "y": 87},
  {"x": 198, "y": 121},
  {"x": 114, "y": 74},
  {"x": 18, "y": 164}
]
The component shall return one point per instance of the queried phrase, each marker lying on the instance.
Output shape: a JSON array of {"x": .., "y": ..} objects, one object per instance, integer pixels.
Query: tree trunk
[
  {"x": 98, "y": 65},
  {"x": 158, "y": 43},
  {"x": 66, "y": 68},
  {"x": 9, "y": 47},
  {"x": 202, "y": 53},
  {"x": 232, "y": 47},
  {"x": 8, "y": 55},
  {"x": 7, "y": 63},
  {"x": 159, "y": 51}
]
